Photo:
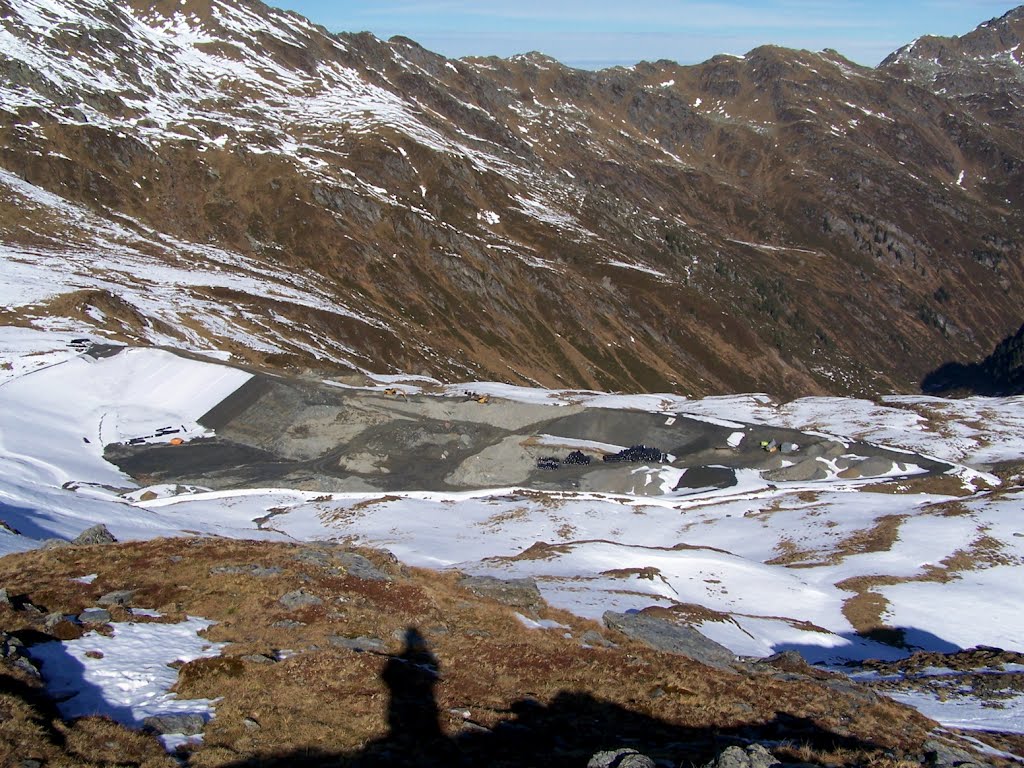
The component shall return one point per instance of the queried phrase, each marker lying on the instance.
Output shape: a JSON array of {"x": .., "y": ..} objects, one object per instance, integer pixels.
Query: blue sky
[{"x": 593, "y": 33}]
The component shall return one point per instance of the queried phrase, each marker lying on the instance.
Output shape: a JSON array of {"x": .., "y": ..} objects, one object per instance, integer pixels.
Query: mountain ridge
[{"x": 695, "y": 228}]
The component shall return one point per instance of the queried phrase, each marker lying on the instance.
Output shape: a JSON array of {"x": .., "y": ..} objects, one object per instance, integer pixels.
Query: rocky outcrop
[
  {"x": 518, "y": 593},
  {"x": 620, "y": 758},
  {"x": 664, "y": 635},
  {"x": 98, "y": 534},
  {"x": 751, "y": 756},
  {"x": 12, "y": 650},
  {"x": 299, "y": 599}
]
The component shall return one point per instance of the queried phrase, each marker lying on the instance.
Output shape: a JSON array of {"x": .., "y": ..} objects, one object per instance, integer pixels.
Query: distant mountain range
[{"x": 220, "y": 174}]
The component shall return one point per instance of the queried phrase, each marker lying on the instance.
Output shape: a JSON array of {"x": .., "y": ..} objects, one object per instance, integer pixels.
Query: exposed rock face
[
  {"x": 985, "y": 61},
  {"x": 786, "y": 221}
]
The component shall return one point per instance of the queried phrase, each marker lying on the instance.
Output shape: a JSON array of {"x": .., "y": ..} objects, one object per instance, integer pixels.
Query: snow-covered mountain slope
[
  {"x": 119, "y": 278},
  {"x": 664, "y": 227},
  {"x": 834, "y": 567}
]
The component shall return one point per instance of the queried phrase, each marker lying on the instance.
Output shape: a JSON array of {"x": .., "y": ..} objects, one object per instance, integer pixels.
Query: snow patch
[{"x": 126, "y": 676}]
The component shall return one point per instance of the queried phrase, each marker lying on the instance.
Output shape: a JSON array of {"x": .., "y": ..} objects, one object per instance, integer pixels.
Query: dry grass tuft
[{"x": 789, "y": 553}]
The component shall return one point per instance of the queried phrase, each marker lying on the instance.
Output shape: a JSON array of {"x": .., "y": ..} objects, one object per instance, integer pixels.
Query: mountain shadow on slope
[
  {"x": 998, "y": 375},
  {"x": 904, "y": 640},
  {"x": 567, "y": 731}
]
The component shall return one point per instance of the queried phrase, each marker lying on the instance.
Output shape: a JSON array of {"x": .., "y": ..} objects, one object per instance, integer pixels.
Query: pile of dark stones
[{"x": 637, "y": 453}]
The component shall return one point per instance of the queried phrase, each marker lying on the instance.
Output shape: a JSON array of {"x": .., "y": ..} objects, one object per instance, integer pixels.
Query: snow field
[{"x": 763, "y": 561}]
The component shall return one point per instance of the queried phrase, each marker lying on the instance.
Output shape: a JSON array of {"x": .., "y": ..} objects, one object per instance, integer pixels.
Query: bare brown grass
[
  {"x": 788, "y": 553},
  {"x": 938, "y": 485},
  {"x": 878, "y": 538},
  {"x": 326, "y": 699}
]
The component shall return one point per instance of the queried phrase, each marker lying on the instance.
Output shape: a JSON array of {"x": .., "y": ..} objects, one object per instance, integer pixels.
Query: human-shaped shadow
[
  {"x": 566, "y": 730},
  {"x": 414, "y": 725},
  {"x": 413, "y": 716}
]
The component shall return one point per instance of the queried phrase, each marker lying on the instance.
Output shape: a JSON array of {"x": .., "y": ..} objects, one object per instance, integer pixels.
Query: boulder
[
  {"x": 185, "y": 724},
  {"x": 117, "y": 597},
  {"x": 94, "y": 616},
  {"x": 664, "y": 635},
  {"x": 98, "y": 534},
  {"x": 360, "y": 644},
  {"x": 359, "y": 567},
  {"x": 620, "y": 758},
  {"x": 753, "y": 756},
  {"x": 518, "y": 593},
  {"x": 299, "y": 598}
]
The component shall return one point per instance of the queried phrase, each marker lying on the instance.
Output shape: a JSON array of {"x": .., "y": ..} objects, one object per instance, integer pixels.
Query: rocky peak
[{"x": 986, "y": 60}]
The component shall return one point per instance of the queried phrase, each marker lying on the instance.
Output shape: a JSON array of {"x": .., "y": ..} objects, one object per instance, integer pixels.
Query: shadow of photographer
[{"x": 568, "y": 730}]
